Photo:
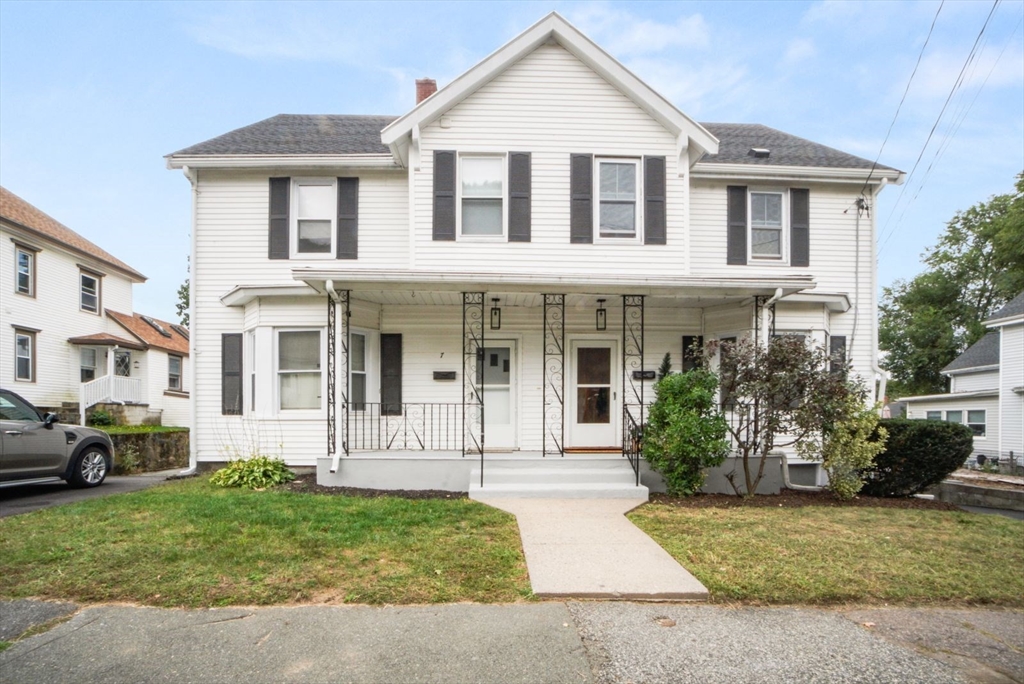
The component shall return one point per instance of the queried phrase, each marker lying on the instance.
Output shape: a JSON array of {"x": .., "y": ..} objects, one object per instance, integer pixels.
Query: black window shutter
[
  {"x": 280, "y": 190},
  {"x": 581, "y": 198},
  {"x": 444, "y": 195},
  {"x": 837, "y": 353},
  {"x": 693, "y": 345},
  {"x": 737, "y": 225},
  {"x": 348, "y": 218},
  {"x": 799, "y": 228},
  {"x": 654, "y": 201},
  {"x": 519, "y": 190},
  {"x": 390, "y": 374},
  {"x": 231, "y": 374}
]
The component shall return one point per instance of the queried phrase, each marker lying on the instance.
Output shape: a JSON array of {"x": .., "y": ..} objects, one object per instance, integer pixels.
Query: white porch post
[{"x": 337, "y": 375}]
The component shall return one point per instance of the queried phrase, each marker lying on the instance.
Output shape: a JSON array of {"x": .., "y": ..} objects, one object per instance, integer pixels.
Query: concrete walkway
[{"x": 587, "y": 548}]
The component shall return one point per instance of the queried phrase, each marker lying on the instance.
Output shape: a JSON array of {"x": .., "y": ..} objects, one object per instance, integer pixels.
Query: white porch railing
[{"x": 108, "y": 388}]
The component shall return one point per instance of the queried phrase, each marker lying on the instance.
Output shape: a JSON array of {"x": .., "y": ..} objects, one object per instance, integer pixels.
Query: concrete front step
[
  {"x": 561, "y": 490},
  {"x": 495, "y": 475}
]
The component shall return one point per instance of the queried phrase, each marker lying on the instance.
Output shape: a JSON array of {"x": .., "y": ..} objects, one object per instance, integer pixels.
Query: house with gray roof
[
  {"x": 986, "y": 388},
  {"x": 475, "y": 294}
]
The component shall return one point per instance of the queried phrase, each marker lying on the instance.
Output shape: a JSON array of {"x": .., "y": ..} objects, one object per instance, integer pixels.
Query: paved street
[
  {"x": 600, "y": 642},
  {"x": 26, "y": 498}
]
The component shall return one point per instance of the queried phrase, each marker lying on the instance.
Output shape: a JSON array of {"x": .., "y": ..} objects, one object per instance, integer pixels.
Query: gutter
[{"x": 193, "y": 449}]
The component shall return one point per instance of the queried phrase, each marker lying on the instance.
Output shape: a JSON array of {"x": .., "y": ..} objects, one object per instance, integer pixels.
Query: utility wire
[{"x": 952, "y": 92}]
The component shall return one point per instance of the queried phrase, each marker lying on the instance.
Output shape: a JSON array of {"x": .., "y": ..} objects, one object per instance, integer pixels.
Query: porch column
[
  {"x": 554, "y": 375},
  {"x": 764, "y": 319},
  {"x": 632, "y": 386},
  {"x": 472, "y": 376},
  {"x": 337, "y": 402}
]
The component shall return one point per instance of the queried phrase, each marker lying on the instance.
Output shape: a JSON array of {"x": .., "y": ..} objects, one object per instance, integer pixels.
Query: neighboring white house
[
  {"x": 63, "y": 339},
  {"x": 986, "y": 388},
  {"x": 496, "y": 274}
]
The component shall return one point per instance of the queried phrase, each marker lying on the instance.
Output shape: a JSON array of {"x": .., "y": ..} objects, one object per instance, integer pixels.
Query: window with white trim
[
  {"x": 933, "y": 415},
  {"x": 89, "y": 292},
  {"x": 767, "y": 224},
  {"x": 25, "y": 271},
  {"x": 482, "y": 195},
  {"x": 174, "y": 364},
  {"x": 954, "y": 416},
  {"x": 87, "y": 362},
  {"x": 357, "y": 370},
  {"x": 24, "y": 356},
  {"x": 617, "y": 209},
  {"x": 300, "y": 381},
  {"x": 251, "y": 336},
  {"x": 314, "y": 217},
  {"x": 976, "y": 421}
]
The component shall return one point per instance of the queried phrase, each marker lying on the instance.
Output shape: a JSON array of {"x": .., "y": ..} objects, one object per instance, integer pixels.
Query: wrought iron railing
[
  {"x": 404, "y": 427},
  {"x": 634, "y": 419}
]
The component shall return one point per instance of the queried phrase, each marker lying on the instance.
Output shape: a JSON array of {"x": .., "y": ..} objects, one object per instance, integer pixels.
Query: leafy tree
[
  {"x": 976, "y": 267},
  {"x": 182, "y": 306}
]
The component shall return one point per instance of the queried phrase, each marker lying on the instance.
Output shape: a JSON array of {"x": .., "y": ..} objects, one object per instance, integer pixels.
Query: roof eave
[
  {"x": 970, "y": 369},
  {"x": 252, "y": 161},
  {"x": 711, "y": 170},
  {"x": 131, "y": 273}
]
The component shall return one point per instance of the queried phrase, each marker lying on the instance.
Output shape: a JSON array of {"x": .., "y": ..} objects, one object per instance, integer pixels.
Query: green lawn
[
  {"x": 188, "y": 543},
  {"x": 822, "y": 555}
]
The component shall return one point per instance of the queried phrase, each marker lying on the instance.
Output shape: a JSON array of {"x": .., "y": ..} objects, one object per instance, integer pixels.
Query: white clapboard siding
[
  {"x": 970, "y": 382},
  {"x": 989, "y": 444},
  {"x": 1011, "y": 399}
]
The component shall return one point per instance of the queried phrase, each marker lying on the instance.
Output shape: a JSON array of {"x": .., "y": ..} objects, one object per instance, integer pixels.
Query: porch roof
[
  {"x": 385, "y": 285},
  {"x": 105, "y": 339}
]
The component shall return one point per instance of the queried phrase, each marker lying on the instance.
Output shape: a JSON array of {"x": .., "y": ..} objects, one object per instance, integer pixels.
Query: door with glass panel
[
  {"x": 497, "y": 372},
  {"x": 593, "y": 415}
]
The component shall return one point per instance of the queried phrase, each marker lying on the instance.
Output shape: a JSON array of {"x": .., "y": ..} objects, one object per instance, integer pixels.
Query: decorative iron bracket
[
  {"x": 472, "y": 376},
  {"x": 554, "y": 375}
]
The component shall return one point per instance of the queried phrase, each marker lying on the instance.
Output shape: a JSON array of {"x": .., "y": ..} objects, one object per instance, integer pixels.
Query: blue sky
[{"x": 92, "y": 95}]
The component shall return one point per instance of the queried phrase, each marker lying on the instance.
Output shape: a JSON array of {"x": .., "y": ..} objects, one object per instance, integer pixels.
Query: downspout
[
  {"x": 336, "y": 456},
  {"x": 882, "y": 373},
  {"x": 193, "y": 447}
]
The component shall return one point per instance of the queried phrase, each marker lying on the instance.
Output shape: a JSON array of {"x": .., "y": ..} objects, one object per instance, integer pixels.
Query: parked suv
[{"x": 34, "y": 448}]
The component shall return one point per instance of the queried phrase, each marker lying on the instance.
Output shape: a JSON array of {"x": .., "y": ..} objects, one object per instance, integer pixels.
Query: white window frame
[
  {"x": 82, "y": 274},
  {"x": 969, "y": 423},
  {"x": 82, "y": 364},
  {"x": 960, "y": 411},
  {"x": 927, "y": 415},
  {"x": 322, "y": 372},
  {"x": 638, "y": 213},
  {"x": 372, "y": 365},
  {"x": 293, "y": 219},
  {"x": 31, "y": 337},
  {"x": 249, "y": 357},
  {"x": 180, "y": 374},
  {"x": 18, "y": 252},
  {"x": 503, "y": 156},
  {"x": 783, "y": 257}
]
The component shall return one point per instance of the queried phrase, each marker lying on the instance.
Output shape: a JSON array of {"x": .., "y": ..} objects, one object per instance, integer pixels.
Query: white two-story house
[
  {"x": 494, "y": 276},
  {"x": 70, "y": 340}
]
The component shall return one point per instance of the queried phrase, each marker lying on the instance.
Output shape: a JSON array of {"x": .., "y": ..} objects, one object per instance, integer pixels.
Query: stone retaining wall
[{"x": 156, "y": 451}]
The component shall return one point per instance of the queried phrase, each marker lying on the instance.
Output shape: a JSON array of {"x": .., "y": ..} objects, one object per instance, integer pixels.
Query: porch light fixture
[
  {"x": 602, "y": 315},
  {"x": 495, "y": 315}
]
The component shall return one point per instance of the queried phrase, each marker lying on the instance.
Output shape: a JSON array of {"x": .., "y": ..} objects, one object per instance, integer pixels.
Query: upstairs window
[
  {"x": 482, "y": 186},
  {"x": 315, "y": 202},
  {"x": 766, "y": 225},
  {"x": 25, "y": 271},
  {"x": 89, "y": 292},
  {"x": 174, "y": 372},
  {"x": 618, "y": 213}
]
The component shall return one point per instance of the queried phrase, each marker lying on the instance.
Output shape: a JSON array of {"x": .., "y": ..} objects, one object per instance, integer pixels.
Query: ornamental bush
[
  {"x": 257, "y": 472},
  {"x": 685, "y": 432},
  {"x": 918, "y": 454}
]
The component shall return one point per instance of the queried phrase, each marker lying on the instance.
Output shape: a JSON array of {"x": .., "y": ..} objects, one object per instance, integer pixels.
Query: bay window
[{"x": 298, "y": 370}]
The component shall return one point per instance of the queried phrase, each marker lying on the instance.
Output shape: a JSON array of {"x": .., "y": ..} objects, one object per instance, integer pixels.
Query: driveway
[{"x": 26, "y": 498}]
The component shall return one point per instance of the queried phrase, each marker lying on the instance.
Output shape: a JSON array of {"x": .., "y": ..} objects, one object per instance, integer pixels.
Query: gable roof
[
  {"x": 20, "y": 213},
  {"x": 403, "y": 131},
  {"x": 1014, "y": 307},
  {"x": 136, "y": 324},
  {"x": 984, "y": 352},
  {"x": 737, "y": 140},
  {"x": 299, "y": 134}
]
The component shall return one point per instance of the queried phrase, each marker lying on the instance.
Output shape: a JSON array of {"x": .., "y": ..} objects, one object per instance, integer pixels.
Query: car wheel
[{"x": 90, "y": 469}]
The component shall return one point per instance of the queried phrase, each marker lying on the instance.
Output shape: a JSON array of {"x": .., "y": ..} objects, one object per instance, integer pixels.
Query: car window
[{"x": 13, "y": 408}]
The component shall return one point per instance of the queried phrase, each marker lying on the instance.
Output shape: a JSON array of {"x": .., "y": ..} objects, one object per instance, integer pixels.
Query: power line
[{"x": 952, "y": 92}]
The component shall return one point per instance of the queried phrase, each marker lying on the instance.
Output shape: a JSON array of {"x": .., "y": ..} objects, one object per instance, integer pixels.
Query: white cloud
[
  {"x": 798, "y": 51},
  {"x": 624, "y": 34},
  {"x": 691, "y": 87},
  {"x": 939, "y": 70}
]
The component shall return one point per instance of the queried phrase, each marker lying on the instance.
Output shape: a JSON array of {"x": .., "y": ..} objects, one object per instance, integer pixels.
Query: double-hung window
[
  {"x": 954, "y": 416},
  {"x": 87, "y": 363},
  {"x": 976, "y": 421},
  {"x": 25, "y": 271},
  {"x": 298, "y": 370},
  {"x": 482, "y": 191},
  {"x": 766, "y": 225},
  {"x": 933, "y": 415},
  {"x": 314, "y": 217},
  {"x": 24, "y": 356},
  {"x": 617, "y": 208},
  {"x": 89, "y": 292},
  {"x": 357, "y": 361},
  {"x": 173, "y": 372}
]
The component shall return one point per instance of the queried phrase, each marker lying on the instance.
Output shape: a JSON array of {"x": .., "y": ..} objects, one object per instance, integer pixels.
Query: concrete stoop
[{"x": 558, "y": 478}]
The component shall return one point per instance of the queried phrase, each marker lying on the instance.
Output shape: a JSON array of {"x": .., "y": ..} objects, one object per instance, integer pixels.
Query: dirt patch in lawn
[
  {"x": 793, "y": 499},
  {"x": 306, "y": 484}
]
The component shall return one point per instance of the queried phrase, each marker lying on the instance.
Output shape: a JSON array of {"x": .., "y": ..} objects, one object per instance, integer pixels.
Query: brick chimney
[{"x": 425, "y": 87}]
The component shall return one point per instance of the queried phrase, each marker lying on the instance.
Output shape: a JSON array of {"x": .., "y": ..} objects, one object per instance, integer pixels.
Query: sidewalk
[{"x": 605, "y": 642}]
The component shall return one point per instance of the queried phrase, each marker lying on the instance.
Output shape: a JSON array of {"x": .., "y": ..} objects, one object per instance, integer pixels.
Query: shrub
[
  {"x": 685, "y": 432},
  {"x": 918, "y": 454},
  {"x": 128, "y": 460},
  {"x": 257, "y": 472},
  {"x": 101, "y": 418},
  {"x": 848, "y": 444}
]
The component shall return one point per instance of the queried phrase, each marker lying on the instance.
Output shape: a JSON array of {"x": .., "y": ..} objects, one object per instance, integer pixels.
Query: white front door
[
  {"x": 498, "y": 370},
  {"x": 593, "y": 416}
]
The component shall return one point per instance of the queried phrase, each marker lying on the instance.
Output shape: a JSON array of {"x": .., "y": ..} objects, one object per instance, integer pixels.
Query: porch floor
[{"x": 587, "y": 548}]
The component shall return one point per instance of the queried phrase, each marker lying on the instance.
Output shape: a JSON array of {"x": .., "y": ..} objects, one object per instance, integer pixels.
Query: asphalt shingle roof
[
  {"x": 984, "y": 352},
  {"x": 1014, "y": 307},
  {"x": 346, "y": 134}
]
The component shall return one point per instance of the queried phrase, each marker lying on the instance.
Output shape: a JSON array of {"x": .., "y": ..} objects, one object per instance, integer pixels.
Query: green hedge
[{"x": 918, "y": 454}]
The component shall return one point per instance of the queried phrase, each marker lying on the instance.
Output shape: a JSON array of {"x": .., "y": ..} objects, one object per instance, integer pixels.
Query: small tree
[
  {"x": 777, "y": 395},
  {"x": 685, "y": 432},
  {"x": 666, "y": 366},
  {"x": 182, "y": 305}
]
